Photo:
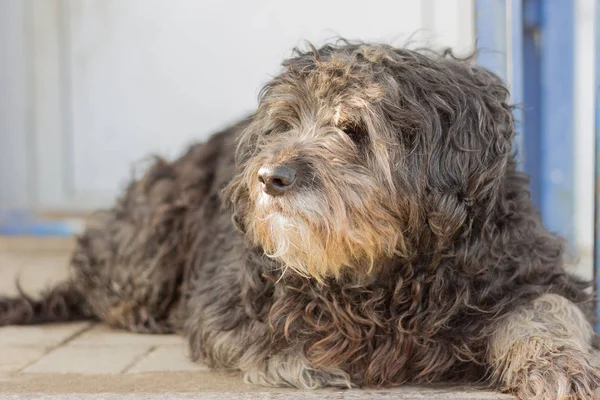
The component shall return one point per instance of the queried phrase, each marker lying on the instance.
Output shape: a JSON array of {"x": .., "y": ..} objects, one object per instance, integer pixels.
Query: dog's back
[{"x": 128, "y": 266}]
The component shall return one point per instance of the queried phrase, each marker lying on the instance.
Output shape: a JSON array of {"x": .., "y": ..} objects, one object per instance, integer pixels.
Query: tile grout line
[
  {"x": 137, "y": 359},
  {"x": 50, "y": 349}
]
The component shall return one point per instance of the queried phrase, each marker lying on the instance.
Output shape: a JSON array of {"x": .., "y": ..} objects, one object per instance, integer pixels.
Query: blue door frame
[
  {"x": 530, "y": 44},
  {"x": 545, "y": 58}
]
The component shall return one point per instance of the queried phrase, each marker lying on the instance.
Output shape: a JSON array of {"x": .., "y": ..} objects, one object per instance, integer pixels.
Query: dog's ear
[
  {"x": 463, "y": 142},
  {"x": 235, "y": 195},
  {"x": 235, "y": 198}
]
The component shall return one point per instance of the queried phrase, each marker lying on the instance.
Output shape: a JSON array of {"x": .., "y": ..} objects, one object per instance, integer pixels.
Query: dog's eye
[
  {"x": 357, "y": 133},
  {"x": 285, "y": 126},
  {"x": 280, "y": 126}
]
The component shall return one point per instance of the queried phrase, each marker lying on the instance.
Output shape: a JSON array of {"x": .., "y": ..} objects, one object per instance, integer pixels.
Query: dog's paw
[
  {"x": 307, "y": 379},
  {"x": 568, "y": 375},
  {"x": 293, "y": 370}
]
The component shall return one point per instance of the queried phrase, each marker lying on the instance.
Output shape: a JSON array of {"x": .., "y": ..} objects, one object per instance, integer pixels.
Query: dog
[{"x": 366, "y": 226}]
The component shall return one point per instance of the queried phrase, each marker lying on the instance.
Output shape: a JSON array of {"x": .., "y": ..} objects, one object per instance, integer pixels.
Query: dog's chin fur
[
  {"x": 302, "y": 238},
  {"x": 407, "y": 249}
]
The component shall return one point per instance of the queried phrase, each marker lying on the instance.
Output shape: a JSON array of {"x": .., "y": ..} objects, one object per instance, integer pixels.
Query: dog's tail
[{"x": 60, "y": 303}]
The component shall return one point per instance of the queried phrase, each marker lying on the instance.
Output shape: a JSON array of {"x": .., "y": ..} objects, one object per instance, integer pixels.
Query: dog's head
[{"x": 362, "y": 153}]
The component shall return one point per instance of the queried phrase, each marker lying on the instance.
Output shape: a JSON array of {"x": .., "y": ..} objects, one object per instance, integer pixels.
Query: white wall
[{"x": 15, "y": 117}]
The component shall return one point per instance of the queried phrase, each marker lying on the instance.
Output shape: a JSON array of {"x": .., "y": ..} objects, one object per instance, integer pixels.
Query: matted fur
[{"x": 405, "y": 252}]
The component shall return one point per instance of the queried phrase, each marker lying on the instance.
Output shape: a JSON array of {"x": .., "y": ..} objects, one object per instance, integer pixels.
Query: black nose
[{"x": 276, "y": 180}]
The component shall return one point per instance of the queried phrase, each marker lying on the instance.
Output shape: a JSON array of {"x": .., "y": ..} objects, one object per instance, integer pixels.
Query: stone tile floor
[{"x": 90, "y": 361}]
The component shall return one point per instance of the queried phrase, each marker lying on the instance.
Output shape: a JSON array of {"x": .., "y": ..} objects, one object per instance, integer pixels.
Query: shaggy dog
[{"x": 371, "y": 229}]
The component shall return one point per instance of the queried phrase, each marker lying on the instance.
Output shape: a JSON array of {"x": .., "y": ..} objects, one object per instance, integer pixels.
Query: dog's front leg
[
  {"x": 249, "y": 348},
  {"x": 542, "y": 351},
  {"x": 291, "y": 369}
]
